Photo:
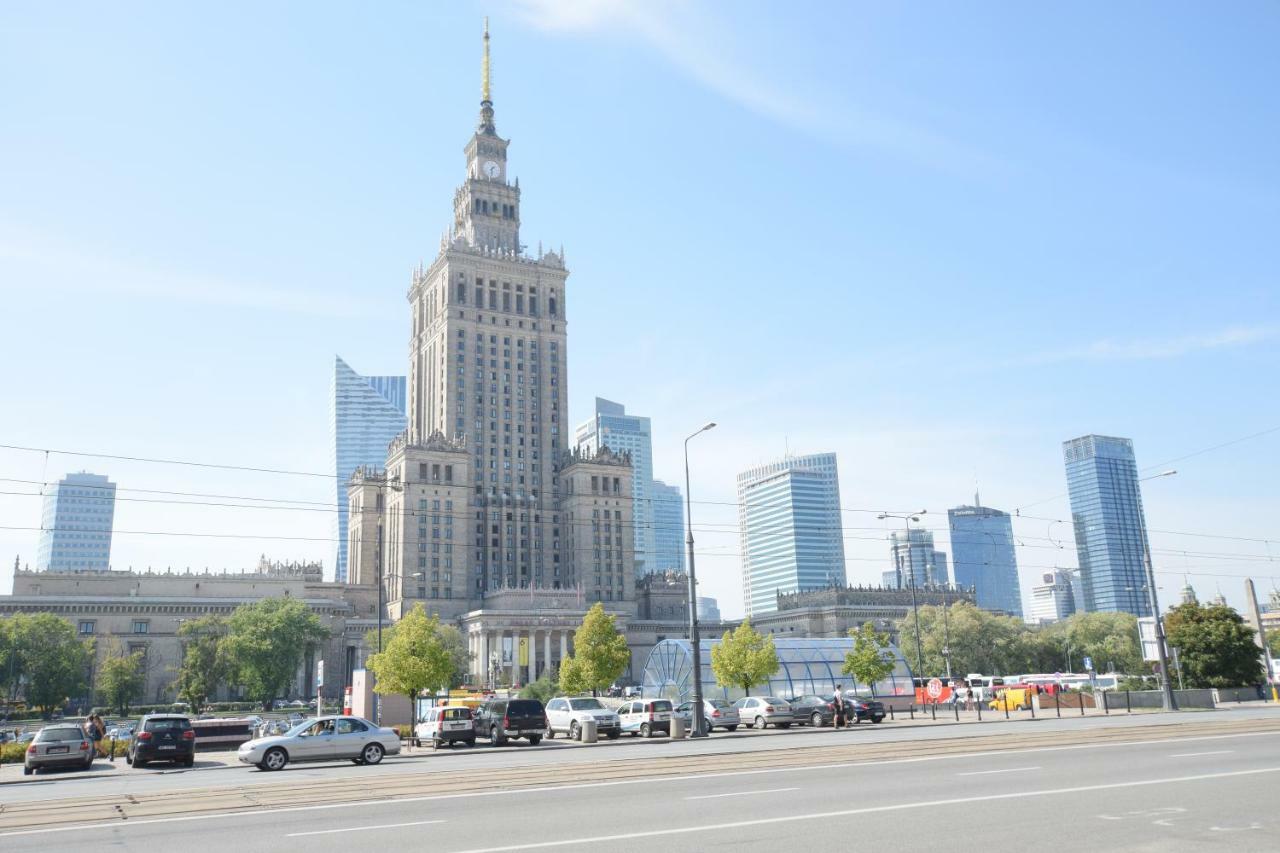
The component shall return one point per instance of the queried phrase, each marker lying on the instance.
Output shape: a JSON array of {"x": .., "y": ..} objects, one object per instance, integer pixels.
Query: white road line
[
  {"x": 362, "y": 828},
  {"x": 1194, "y": 754},
  {"x": 741, "y": 794},
  {"x": 716, "y": 827},
  {"x": 379, "y": 801},
  {"x": 987, "y": 772}
]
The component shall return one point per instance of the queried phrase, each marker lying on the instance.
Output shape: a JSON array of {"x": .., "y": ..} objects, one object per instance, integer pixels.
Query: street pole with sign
[{"x": 319, "y": 686}]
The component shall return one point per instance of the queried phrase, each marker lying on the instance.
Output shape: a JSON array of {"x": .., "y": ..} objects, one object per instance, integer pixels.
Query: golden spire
[{"x": 484, "y": 65}]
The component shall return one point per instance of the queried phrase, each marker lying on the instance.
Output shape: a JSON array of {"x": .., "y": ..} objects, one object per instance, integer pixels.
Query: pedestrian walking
[
  {"x": 968, "y": 699},
  {"x": 837, "y": 705},
  {"x": 97, "y": 731}
]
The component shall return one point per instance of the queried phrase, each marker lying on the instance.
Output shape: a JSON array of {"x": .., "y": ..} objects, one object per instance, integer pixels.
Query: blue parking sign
[{"x": 1088, "y": 663}]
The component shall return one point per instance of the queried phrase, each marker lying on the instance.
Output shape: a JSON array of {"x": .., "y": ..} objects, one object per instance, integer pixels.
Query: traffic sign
[
  {"x": 1088, "y": 664},
  {"x": 934, "y": 688}
]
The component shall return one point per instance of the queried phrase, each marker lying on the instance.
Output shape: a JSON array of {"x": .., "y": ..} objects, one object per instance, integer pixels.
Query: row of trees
[{"x": 42, "y": 660}]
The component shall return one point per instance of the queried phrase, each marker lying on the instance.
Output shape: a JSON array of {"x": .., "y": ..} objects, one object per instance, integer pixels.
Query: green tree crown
[
  {"x": 600, "y": 654},
  {"x": 743, "y": 658}
]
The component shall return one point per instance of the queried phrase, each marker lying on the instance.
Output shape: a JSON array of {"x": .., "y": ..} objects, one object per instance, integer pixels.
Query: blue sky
[{"x": 936, "y": 240}]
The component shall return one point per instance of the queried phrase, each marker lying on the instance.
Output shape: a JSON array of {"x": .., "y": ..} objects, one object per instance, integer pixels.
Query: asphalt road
[{"x": 1162, "y": 790}]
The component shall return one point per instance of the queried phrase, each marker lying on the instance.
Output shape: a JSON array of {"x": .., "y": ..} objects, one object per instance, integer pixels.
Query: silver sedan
[{"x": 322, "y": 739}]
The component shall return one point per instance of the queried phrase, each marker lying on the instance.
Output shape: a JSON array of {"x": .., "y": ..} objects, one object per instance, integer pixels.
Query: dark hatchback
[
  {"x": 162, "y": 737},
  {"x": 813, "y": 710},
  {"x": 501, "y": 720},
  {"x": 864, "y": 708}
]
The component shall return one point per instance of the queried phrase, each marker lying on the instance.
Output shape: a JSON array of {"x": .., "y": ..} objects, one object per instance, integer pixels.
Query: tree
[
  {"x": 266, "y": 642},
  {"x": 872, "y": 659},
  {"x": 600, "y": 654},
  {"x": 48, "y": 662},
  {"x": 979, "y": 641},
  {"x": 1110, "y": 639},
  {"x": 121, "y": 678},
  {"x": 1215, "y": 646},
  {"x": 415, "y": 660},
  {"x": 204, "y": 666},
  {"x": 544, "y": 689},
  {"x": 1273, "y": 642},
  {"x": 449, "y": 635},
  {"x": 743, "y": 658}
]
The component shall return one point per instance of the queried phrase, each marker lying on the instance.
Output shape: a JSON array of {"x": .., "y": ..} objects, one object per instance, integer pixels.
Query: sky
[{"x": 936, "y": 239}]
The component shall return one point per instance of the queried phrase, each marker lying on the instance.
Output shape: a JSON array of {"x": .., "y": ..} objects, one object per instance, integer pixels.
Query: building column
[
  {"x": 533, "y": 656},
  {"x": 515, "y": 657},
  {"x": 546, "y": 651},
  {"x": 564, "y": 647},
  {"x": 483, "y": 663}
]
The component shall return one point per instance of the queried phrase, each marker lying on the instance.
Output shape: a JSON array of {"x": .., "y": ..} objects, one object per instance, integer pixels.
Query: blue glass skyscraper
[
  {"x": 790, "y": 527},
  {"x": 368, "y": 412},
  {"x": 75, "y": 533},
  {"x": 668, "y": 527},
  {"x": 612, "y": 427},
  {"x": 983, "y": 556},
  {"x": 1111, "y": 531}
]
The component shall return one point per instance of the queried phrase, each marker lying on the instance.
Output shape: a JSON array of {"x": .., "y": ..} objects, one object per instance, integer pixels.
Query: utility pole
[
  {"x": 915, "y": 610},
  {"x": 694, "y": 640}
]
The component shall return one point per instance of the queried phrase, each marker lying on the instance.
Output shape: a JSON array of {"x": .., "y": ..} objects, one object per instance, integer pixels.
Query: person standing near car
[{"x": 837, "y": 705}]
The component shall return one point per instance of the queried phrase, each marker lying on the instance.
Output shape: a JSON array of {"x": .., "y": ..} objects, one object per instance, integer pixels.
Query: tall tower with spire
[{"x": 488, "y": 378}]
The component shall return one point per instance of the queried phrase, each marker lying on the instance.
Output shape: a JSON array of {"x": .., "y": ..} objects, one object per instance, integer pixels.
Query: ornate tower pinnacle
[{"x": 486, "y": 103}]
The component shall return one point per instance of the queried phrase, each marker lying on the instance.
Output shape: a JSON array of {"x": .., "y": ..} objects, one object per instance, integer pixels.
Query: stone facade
[{"x": 832, "y": 612}]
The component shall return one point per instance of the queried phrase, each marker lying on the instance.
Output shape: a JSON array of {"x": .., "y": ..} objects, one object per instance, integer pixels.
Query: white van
[{"x": 446, "y": 725}]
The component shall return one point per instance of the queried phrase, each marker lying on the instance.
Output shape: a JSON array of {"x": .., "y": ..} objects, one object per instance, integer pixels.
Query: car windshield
[
  {"x": 300, "y": 728},
  {"x": 170, "y": 725},
  {"x": 720, "y": 703},
  {"x": 65, "y": 733},
  {"x": 585, "y": 705}
]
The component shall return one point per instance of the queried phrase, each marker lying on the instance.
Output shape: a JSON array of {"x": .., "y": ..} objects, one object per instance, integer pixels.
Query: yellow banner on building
[{"x": 524, "y": 651}]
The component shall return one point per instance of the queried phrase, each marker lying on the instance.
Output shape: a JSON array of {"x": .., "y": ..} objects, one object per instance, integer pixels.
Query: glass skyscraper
[
  {"x": 75, "y": 532},
  {"x": 983, "y": 557},
  {"x": 668, "y": 527},
  {"x": 612, "y": 427},
  {"x": 916, "y": 560},
  {"x": 1111, "y": 531},
  {"x": 368, "y": 412},
  {"x": 790, "y": 528}
]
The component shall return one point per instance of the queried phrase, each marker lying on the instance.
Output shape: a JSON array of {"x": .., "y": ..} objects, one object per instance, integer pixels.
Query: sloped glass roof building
[{"x": 806, "y": 666}]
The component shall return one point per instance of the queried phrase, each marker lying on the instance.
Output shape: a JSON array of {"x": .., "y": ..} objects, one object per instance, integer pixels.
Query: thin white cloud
[
  {"x": 1110, "y": 349},
  {"x": 693, "y": 43}
]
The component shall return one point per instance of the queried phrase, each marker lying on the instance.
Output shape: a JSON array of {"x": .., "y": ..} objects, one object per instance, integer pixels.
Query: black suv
[
  {"x": 500, "y": 719},
  {"x": 162, "y": 737}
]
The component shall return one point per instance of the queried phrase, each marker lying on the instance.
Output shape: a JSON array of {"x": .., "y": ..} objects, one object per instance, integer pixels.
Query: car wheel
[
  {"x": 731, "y": 728},
  {"x": 372, "y": 753},
  {"x": 471, "y": 741},
  {"x": 189, "y": 762},
  {"x": 27, "y": 771},
  {"x": 551, "y": 733},
  {"x": 534, "y": 740},
  {"x": 496, "y": 737},
  {"x": 614, "y": 735},
  {"x": 760, "y": 724},
  {"x": 138, "y": 764},
  {"x": 275, "y": 759},
  {"x": 574, "y": 731},
  {"x": 645, "y": 731},
  {"x": 877, "y": 719},
  {"x": 816, "y": 719},
  {"x": 88, "y": 763},
  {"x": 706, "y": 728}
]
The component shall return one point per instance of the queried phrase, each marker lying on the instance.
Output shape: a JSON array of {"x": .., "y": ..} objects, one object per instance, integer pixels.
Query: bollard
[
  {"x": 979, "y": 712},
  {"x": 678, "y": 729},
  {"x": 1057, "y": 703},
  {"x": 1006, "y": 707},
  {"x": 933, "y": 710},
  {"x": 1128, "y": 708},
  {"x": 1106, "y": 709},
  {"x": 1237, "y": 697},
  {"x": 956, "y": 705},
  {"x": 891, "y": 713},
  {"x": 587, "y": 731},
  {"x": 912, "y": 709},
  {"x": 1081, "y": 704},
  {"x": 1031, "y": 705},
  {"x": 113, "y": 749}
]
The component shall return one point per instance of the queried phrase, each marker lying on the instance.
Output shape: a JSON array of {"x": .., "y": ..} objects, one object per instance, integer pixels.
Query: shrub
[{"x": 12, "y": 753}]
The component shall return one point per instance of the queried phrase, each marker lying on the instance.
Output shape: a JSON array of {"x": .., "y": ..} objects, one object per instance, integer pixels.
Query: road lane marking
[
  {"x": 362, "y": 828},
  {"x": 987, "y": 772},
  {"x": 719, "y": 827},
  {"x": 374, "y": 802},
  {"x": 1196, "y": 754},
  {"x": 741, "y": 794}
]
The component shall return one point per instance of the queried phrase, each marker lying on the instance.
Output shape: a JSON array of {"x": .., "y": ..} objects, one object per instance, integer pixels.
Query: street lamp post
[
  {"x": 1169, "y": 702},
  {"x": 915, "y": 610},
  {"x": 694, "y": 640},
  {"x": 389, "y": 484}
]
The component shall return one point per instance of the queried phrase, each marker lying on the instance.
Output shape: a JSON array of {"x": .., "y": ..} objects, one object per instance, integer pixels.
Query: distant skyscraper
[
  {"x": 612, "y": 427},
  {"x": 708, "y": 609},
  {"x": 1052, "y": 599},
  {"x": 368, "y": 412},
  {"x": 75, "y": 533},
  {"x": 790, "y": 528},
  {"x": 668, "y": 527},
  {"x": 916, "y": 558},
  {"x": 1111, "y": 532},
  {"x": 983, "y": 556}
]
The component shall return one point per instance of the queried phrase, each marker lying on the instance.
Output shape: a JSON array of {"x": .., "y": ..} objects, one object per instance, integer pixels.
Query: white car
[
  {"x": 565, "y": 714},
  {"x": 322, "y": 739},
  {"x": 447, "y": 724},
  {"x": 645, "y": 717}
]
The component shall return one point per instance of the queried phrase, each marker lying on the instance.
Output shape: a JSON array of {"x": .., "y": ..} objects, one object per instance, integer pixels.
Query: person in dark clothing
[{"x": 837, "y": 704}]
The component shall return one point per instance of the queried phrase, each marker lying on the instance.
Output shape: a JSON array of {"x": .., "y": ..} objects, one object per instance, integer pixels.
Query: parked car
[
  {"x": 760, "y": 712},
  {"x": 565, "y": 714},
  {"x": 813, "y": 710},
  {"x": 716, "y": 714},
  {"x": 447, "y": 725},
  {"x": 863, "y": 708},
  {"x": 329, "y": 738},
  {"x": 646, "y": 717},
  {"x": 162, "y": 737},
  {"x": 501, "y": 720},
  {"x": 59, "y": 746}
]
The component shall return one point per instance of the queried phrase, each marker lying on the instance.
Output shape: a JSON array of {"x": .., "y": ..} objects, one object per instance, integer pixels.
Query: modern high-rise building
[
  {"x": 1052, "y": 599},
  {"x": 610, "y": 426},
  {"x": 668, "y": 527},
  {"x": 367, "y": 413},
  {"x": 915, "y": 559},
  {"x": 983, "y": 557},
  {"x": 75, "y": 532},
  {"x": 708, "y": 609},
  {"x": 790, "y": 528},
  {"x": 1110, "y": 529}
]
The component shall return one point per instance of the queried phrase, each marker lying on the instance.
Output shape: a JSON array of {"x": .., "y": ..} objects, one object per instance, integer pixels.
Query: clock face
[{"x": 492, "y": 169}]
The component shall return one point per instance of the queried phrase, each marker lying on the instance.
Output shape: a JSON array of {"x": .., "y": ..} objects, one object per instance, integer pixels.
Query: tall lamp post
[
  {"x": 694, "y": 639},
  {"x": 396, "y": 486},
  {"x": 1168, "y": 701},
  {"x": 915, "y": 610}
]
